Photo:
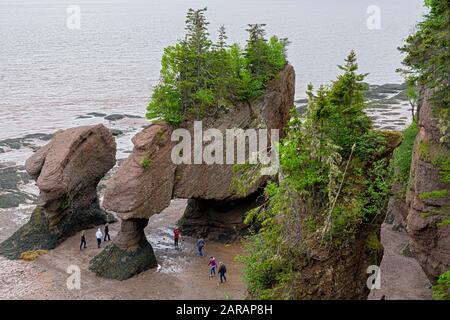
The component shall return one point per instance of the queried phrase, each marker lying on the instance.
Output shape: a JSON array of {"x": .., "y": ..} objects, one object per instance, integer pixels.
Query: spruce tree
[
  {"x": 199, "y": 77},
  {"x": 256, "y": 49}
]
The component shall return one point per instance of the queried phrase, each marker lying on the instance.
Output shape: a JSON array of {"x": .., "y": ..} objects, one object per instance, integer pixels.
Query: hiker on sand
[
  {"x": 213, "y": 265},
  {"x": 83, "y": 241},
  {"x": 176, "y": 237},
  {"x": 222, "y": 270},
  {"x": 98, "y": 235},
  {"x": 200, "y": 245},
  {"x": 107, "y": 233}
]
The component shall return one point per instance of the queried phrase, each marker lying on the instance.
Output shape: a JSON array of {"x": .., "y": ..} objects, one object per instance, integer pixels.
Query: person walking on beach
[
  {"x": 107, "y": 233},
  {"x": 83, "y": 241},
  {"x": 222, "y": 270},
  {"x": 200, "y": 245},
  {"x": 176, "y": 237},
  {"x": 99, "y": 235},
  {"x": 212, "y": 264}
]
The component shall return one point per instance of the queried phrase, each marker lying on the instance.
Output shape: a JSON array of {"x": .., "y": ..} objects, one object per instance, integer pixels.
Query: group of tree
[
  {"x": 427, "y": 60},
  {"x": 199, "y": 77},
  {"x": 332, "y": 178},
  {"x": 427, "y": 63}
]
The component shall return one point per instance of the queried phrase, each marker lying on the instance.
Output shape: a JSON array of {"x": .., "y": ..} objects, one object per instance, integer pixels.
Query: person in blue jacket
[{"x": 200, "y": 245}]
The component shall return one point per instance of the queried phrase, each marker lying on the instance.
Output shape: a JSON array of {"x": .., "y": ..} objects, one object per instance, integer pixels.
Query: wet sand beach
[{"x": 181, "y": 274}]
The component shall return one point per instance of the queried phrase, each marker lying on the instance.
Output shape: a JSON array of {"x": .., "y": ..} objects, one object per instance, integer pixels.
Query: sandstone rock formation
[
  {"x": 142, "y": 187},
  {"x": 67, "y": 171},
  {"x": 149, "y": 179},
  {"x": 144, "y": 183},
  {"x": 428, "y": 197}
]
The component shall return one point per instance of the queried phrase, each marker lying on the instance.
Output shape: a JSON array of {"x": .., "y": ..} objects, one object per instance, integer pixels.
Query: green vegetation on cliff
[
  {"x": 401, "y": 162},
  {"x": 441, "y": 290},
  {"x": 198, "y": 77},
  {"x": 332, "y": 180},
  {"x": 427, "y": 59}
]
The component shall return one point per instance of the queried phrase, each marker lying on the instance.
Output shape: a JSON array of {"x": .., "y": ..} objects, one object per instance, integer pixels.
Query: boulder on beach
[{"x": 67, "y": 171}]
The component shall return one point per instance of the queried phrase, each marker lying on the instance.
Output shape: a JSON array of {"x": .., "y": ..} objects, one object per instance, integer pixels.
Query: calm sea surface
[{"x": 50, "y": 74}]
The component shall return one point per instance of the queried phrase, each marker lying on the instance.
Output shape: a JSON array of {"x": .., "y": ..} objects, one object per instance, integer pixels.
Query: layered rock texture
[
  {"x": 428, "y": 197},
  {"x": 149, "y": 178},
  {"x": 67, "y": 171}
]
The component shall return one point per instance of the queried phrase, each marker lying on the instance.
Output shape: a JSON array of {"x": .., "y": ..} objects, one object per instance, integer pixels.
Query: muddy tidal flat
[{"x": 180, "y": 274}]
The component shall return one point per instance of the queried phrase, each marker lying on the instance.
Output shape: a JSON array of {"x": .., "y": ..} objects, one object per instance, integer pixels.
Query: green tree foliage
[
  {"x": 427, "y": 57},
  {"x": 401, "y": 162},
  {"x": 199, "y": 77},
  {"x": 332, "y": 179}
]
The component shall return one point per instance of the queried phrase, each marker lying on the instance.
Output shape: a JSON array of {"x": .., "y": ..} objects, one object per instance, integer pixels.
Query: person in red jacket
[{"x": 176, "y": 236}]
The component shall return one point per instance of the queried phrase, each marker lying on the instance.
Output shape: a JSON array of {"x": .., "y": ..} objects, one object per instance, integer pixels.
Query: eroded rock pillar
[{"x": 128, "y": 255}]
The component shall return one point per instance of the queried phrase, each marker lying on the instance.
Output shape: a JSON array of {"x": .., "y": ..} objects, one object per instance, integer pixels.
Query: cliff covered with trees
[
  {"x": 319, "y": 229},
  {"x": 427, "y": 191}
]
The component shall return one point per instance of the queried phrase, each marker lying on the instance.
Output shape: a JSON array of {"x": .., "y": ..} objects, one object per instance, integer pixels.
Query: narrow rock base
[
  {"x": 130, "y": 255},
  {"x": 46, "y": 231}
]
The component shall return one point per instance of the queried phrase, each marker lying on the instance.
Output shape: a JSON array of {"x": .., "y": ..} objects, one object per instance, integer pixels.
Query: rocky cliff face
[
  {"x": 428, "y": 197},
  {"x": 149, "y": 179},
  {"x": 67, "y": 171},
  {"x": 343, "y": 273}
]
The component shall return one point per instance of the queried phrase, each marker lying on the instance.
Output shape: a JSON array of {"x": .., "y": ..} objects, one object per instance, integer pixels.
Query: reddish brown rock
[
  {"x": 144, "y": 182},
  {"x": 428, "y": 197},
  {"x": 67, "y": 171},
  {"x": 270, "y": 111},
  {"x": 139, "y": 191},
  {"x": 149, "y": 178}
]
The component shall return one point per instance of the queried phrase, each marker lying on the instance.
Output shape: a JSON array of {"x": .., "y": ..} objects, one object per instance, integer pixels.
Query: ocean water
[{"x": 50, "y": 74}]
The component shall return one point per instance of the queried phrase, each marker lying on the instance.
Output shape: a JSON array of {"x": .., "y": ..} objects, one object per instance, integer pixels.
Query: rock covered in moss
[
  {"x": 428, "y": 196},
  {"x": 340, "y": 269},
  {"x": 130, "y": 254}
]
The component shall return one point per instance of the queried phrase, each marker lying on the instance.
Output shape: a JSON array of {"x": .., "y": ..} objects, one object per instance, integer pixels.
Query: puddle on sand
[{"x": 13, "y": 218}]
